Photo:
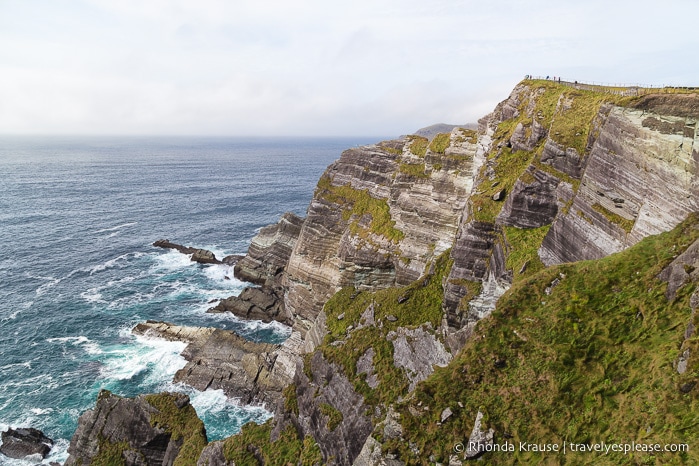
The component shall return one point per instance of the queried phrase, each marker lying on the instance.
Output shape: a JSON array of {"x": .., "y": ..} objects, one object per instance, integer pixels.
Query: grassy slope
[{"x": 591, "y": 362}]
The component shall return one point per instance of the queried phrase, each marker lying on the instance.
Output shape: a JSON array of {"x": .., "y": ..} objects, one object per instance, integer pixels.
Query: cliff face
[
  {"x": 379, "y": 216},
  {"x": 408, "y": 244}
]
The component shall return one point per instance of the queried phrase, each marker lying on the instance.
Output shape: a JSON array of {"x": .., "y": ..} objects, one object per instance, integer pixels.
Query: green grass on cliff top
[{"x": 590, "y": 362}]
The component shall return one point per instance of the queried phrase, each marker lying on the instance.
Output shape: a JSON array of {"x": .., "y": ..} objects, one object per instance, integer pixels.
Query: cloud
[{"x": 312, "y": 67}]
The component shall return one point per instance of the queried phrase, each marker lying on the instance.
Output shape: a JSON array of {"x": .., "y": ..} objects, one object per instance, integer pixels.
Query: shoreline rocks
[
  {"x": 202, "y": 256},
  {"x": 23, "y": 442},
  {"x": 222, "y": 359}
]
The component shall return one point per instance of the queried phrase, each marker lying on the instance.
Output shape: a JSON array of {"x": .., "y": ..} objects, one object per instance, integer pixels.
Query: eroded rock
[{"x": 23, "y": 442}]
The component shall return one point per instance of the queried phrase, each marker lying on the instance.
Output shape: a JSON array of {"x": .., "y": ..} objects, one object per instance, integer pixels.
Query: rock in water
[
  {"x": 149, "y": 429},
  {"x": 203, "y": 256},
  {"x": 20, "y": 443}
]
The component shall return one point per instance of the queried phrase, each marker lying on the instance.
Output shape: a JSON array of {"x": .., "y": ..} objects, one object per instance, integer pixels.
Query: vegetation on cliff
[{"x": 579, "y": 353}]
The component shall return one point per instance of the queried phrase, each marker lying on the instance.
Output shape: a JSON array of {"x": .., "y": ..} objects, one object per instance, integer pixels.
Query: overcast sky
[{"x": 315, "y": 67}]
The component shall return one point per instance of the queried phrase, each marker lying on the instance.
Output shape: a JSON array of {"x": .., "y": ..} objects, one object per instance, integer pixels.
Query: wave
[
  {"x": 156, "y": 358},
  {"x": 118, "y": 227},
  {"x": 89, "y": 346},
  {"x": 117, "y": 261}
]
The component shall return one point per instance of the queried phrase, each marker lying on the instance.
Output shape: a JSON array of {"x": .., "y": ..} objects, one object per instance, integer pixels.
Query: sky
[{"x": 315, "y": 67}]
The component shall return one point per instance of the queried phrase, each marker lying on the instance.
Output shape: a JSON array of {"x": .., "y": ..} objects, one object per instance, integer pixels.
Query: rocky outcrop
[
  {"x": 221, "y": 359},
  {"x": 331, "y": 411},
  {"x": 24, "y": 442},
  {"x": 203, "y": 256},
  {"x": 417, "y": 351},
  {"x": 146, "y": 430},
  {"x": 253, "y": 303},
  {"x": 269, "y": 252}
]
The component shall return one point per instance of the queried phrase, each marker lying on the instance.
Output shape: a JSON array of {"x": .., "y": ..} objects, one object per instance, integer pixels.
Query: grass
[
  {"x": 590, "y": 362},
  {"x": 253, "y": 441},
  {"x": 523, "y": 249},
  {"x": 356, "y": 204},
  {"x": 423, "y": 305},
  {"x": 467, "y": 135},
  {"x": 624, "y": 223},
  {"x": 413, "y": 169},
  {"x": 418, "y": 145},
  {"x": 183, "y": 423},
  {"x": 333, "y": 414},
  {"x": 440, "y": 143}
]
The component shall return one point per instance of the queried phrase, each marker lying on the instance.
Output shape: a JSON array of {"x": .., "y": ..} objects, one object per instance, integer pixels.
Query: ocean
[{"x": 78, "y": 216}]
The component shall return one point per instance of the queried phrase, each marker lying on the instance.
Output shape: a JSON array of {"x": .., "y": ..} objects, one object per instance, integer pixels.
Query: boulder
[{"x": 20, "y": 443}]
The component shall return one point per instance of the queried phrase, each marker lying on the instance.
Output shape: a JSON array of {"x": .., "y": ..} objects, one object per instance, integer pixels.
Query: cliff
[{"x": 437, "y": 288}]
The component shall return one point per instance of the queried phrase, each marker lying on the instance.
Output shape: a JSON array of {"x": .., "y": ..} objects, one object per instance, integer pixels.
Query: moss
[
  {"x": 110, "y": 454},
  {"x": 467, "y": 135},
  {"x": 291, "y": 403},
  {"x": 333, "y": 414},
  {"x": 590, "y": 362},
  {"x": 421, "y": 303},
  {"x": 183, "y": 423},
  {"x": 440, "y": 143},
  {"x": 254, "y": 442},
  {"x": 357, "y": 203},
  {"x": 523, "y": 247},
  {"x": 624, "y": 223},
  {"x": 416, "y": 170},
  {"x": 418, "y": 145}
]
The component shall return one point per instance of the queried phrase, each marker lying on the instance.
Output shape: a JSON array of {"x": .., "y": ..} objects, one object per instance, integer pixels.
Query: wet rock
[
  {"x": 202, "y": 256},
  {"x": 23, "y": 442},
  {"x": 221, "y": 359}
]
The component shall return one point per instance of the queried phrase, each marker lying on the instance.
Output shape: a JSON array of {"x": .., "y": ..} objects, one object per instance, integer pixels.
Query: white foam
[
  {"x": 161, "y": 357},
  {"x": 89, "y": 346},
  {"x": 110, "y": 263},
  {"x": 172, "y": 260},
  {"x": 92, "y": 296},
  {"x": 40, "y": 411},
  {"x": 118, "y": 227}
]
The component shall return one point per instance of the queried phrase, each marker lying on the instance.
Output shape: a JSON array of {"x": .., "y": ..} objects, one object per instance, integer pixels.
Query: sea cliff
[{"x": 436, "y": 287}]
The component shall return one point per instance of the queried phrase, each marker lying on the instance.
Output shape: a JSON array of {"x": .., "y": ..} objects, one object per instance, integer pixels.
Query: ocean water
[{"x": 77, "y": 270}]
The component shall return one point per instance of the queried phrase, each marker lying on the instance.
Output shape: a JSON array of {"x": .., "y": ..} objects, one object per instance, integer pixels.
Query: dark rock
[
  {"x": 23, "y": 442},
  {"x": 500, "y": 195},
  {"x": 202, "y": 256},
  {"x": 136, "y": 428},
  {"x": 232, "y": 259},
  {"x": 532, "y": 204},
  {"x": 269, "y": 252},
  {"x": 344, "y": 439},
  {"x": 257, "y": 304},
  {"x": 687, "y": 387}
]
